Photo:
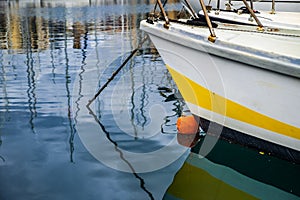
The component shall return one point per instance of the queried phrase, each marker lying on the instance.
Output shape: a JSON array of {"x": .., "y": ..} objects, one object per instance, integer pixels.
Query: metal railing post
[
  {"x": 260, "y": 26},
  {"x": 212, "y": 36},
  {"x": 166, "y": 25}
]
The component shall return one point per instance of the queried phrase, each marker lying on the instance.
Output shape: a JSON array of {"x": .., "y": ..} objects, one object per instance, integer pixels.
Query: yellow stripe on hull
[{"x": 202, "y": 97}]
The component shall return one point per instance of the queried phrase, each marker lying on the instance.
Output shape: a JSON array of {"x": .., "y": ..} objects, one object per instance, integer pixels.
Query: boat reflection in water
[{"x": 232, "y": 172}]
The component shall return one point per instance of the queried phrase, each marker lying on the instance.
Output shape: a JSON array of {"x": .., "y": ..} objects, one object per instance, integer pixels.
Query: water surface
[{"x": 54, "y": 56}]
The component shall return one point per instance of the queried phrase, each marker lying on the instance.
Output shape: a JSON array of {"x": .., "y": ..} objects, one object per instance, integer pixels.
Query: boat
[{"x": 238, "y": 74}]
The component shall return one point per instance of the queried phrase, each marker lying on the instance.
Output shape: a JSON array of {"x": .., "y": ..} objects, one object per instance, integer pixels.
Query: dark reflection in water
[{"x": 142, "y": 182}]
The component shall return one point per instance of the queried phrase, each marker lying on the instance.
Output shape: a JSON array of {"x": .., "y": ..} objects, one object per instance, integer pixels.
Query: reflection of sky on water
[{"x": 44, "y": 51}]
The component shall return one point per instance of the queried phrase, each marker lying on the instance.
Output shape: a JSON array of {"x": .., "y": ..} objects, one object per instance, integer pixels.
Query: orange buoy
[
  {"x": 187, "y": 125},
  {"x": 188, "y": 129},
  {"x": 188, "y": 140}
]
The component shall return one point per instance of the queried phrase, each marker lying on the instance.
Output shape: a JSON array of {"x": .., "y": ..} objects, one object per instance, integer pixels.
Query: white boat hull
[{"x": 232, "y": 90}]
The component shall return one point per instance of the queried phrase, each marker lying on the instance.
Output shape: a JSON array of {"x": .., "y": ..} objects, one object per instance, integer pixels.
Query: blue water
[{"x": 53, "y": 59}]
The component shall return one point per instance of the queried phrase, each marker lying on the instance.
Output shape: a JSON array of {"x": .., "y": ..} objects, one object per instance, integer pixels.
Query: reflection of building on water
[
  {"x": 55, "y": 3},
  {"x": 17, "y": 31},
  {"x": 18, "y": 18}
]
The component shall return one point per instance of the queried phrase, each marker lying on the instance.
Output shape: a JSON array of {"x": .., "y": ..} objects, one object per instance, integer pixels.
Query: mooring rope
[{"x": 117, "y": 71}]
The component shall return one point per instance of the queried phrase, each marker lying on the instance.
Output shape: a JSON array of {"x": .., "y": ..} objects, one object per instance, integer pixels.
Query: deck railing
[{"x": 194, "y": 15}]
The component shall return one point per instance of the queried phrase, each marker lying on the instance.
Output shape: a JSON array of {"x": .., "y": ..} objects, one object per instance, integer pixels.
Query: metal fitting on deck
[{"x": 212, "y": 38}]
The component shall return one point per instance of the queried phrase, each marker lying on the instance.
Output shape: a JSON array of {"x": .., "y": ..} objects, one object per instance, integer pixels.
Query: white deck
[
  {"x": 285, "y": 20},
  {"x": 273, "y": 50}
]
